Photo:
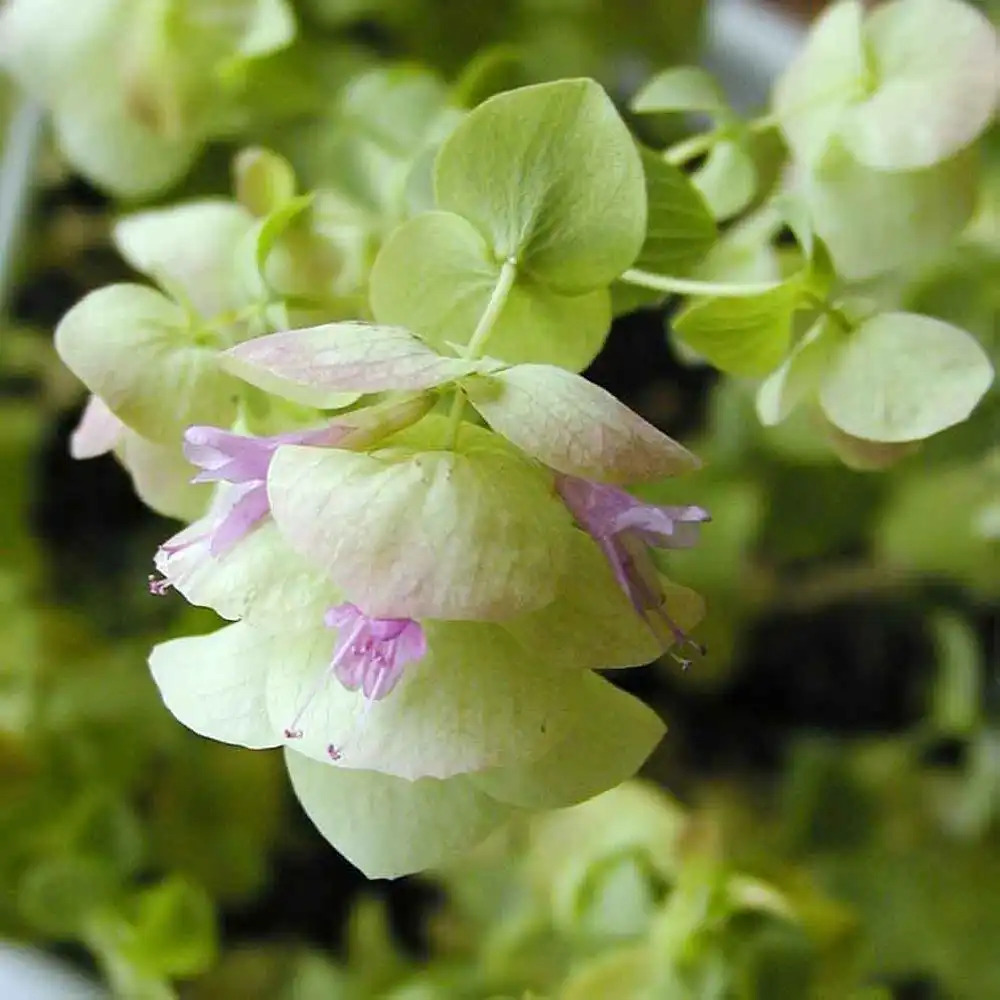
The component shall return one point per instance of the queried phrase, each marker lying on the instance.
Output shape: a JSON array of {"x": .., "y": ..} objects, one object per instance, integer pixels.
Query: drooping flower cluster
[
  {"x": 471, "y": 587},
  {"x": 418, "y": 603}
]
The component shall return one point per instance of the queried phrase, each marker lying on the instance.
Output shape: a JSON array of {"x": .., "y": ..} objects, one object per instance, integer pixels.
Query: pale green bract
[
  {"x": 800, "y": 374},
  {"x": 388, "y": 826},
  {"x": 188, "y": 250},
  {"x": 322, "y": 365},
  {"x": 874, "y": 222},
  {"x": 505, "y": 734},
  {"x": 143, "y": 356},
  {"x": 824, "y": 77},
  {"x": 903, "y": 377},
  {"x": 591, "y": 622},
  {"x": 435, "y": 275},
  {"x": 420, "y": 533},
  {"x": 160, "y": 474},
  {"x": 513, "y": 169}
]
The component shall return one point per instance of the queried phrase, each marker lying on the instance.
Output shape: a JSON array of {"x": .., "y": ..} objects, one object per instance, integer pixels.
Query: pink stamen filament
[
  {"x": 292, "y": 732},
  {"x": 335, "y": 752}
]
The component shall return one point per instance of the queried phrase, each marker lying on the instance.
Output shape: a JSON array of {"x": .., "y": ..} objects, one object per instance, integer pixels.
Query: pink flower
[
  {"x": 369, "y": 655},
  {"x": 625, "y": 528},
  {"x": 243, "y": 461}
]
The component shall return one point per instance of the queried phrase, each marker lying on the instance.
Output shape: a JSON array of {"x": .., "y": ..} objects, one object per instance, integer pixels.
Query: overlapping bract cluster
[
  {"x": 458, "y": 689},
  {"x": 418, "y": 601}
]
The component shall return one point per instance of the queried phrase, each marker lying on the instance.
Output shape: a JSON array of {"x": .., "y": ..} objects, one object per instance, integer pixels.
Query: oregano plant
[
  {"x": 411, "y": 508},
  {"x": 354, "y": 368}
]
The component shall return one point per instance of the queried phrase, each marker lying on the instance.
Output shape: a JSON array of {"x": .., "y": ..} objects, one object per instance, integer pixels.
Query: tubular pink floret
[
  {"x": 369, "y": 655},
  {"x": 625, "y": 528}
]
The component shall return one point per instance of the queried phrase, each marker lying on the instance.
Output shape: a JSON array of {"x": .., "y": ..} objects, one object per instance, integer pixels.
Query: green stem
[
  {"x": 694, "y": 145},
  {"x": 474, "y": 349},
  {"x": 687, "y": 286},
  {"x": 455, "y": 418},
  {"x": 505, "y": 282}
]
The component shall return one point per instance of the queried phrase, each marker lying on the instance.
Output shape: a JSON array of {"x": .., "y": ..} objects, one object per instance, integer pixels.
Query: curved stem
[
  {"x": 505, "y": 281},
  {"x": 688, "y": 286},
  {"x": 474, "y": 349},
  {"x": 687, "y": 149}
]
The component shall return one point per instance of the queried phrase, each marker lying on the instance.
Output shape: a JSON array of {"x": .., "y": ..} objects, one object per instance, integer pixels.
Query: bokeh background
[{"x": 829, "y": 790}]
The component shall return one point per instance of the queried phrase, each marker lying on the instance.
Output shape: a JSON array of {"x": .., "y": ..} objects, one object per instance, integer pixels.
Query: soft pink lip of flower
[
  {"x": 223, "y": 456},
  {"x": 369, "y": 655},
  {"x": 624, "y": 527}
]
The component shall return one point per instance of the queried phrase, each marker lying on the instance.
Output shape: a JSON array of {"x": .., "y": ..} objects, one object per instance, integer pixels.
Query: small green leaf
[
  {"x": 264, "y": 181},
  {"x": 728, "y": 179},
  {"x": 137, "y": 350},
  {"x": 490, "y": 71},
  {"x": 272, "y": 228},
  {"x": 174, "y": 929},
  {"x": 435, "y": 276},
  {"x": 682, "y": 88},
  {"x": 800, "y": 374},
  {"x": 513, "y": 169},
  {"x": 903, "y": 377},
  {"x": 744, "y": 336},
  {"x": 680, "y": 229}
]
